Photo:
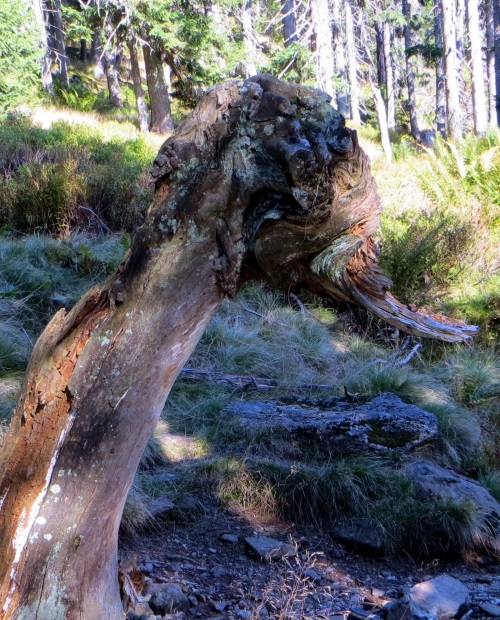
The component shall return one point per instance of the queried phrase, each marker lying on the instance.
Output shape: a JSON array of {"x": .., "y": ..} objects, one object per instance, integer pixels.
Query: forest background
[{"x": 88, "y": 89}]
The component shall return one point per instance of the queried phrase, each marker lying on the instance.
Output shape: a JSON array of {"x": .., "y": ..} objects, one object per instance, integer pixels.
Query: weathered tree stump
[{"x": 262, "y": 180}]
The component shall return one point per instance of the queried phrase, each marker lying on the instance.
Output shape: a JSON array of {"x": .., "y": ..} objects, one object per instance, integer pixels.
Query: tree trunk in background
[
  {"x": 320, "y": 15},
  {"x": 352, "y": 66},
  {"x": 410, "y": 75},
  {"x": 382, "y": 122},
  {"x": 380, "y": 55},
  {"x": 478, "y": 94},
  {"x": 496, "y": 22},
  {"x": 95, "y": 51},
  {"x": 249, "y": 38},
  {"x": 453, "y": 111},
  {"x": 99, "y": 375},
  {"x": 440, "y": 73},
  {"x": 159, "y": 97},
  {"x": 56, "y": 24},
  {"x": 83, "y": 50},
  {"x": 460, "y": 44},
  {"x": 42, "y": 18},
  {"x": 389, "y": 74},
  {"x": 112, "y": 76},
  {"x": 289, "y": 21},
  {"x": 339, "y": 44},
  {"x": 142, "y": 108},
  {"x": 490, "y": 62}
]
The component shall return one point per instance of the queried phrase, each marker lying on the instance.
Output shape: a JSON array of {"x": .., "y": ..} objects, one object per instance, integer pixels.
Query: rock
[
  {"x": 434, "y": 481},
  {"x": 437, "y": 599},
  {"x": 160, "y": 506},
  {"x": 244, "y": 614},
  {"x": 269, "y": 548},
  {"x": 168, "y": 598},
  {"x": 221, "y": 605},
  {"x": 313, "y": 575},
  {"x": 232, "y": 539},
  {"x": 382, "y": 424},
  {"x": 365, "y": 535},
  {"x": 490, "y": 609}
]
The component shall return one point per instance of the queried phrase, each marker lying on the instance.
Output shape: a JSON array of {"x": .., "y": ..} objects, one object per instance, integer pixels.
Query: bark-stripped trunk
[
  {"x": 410, "y": 74},
  {"x": 440, "y": 73},
  {"x": 142, "y": 107},
  {"x": 453, "y": 111},
  {"x": 261, "y": 179},
  {"x": 159, "y": 97},
  {"x": 320, "y": 15},
  {"x": 352, "y": 66},
  {"x": 476, "y": 56},
  {"x": 490, "y": 62}
]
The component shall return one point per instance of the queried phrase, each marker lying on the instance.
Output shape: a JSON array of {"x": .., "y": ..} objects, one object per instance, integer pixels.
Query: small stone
[
  {"x": 490, "y": 609},
  {"x": 167, "y": 598},
  {"x": 232, "y": 539},
  {"x": 243, "y": 614},
  {"x": 221, "y": 605},
  {"x": 269, "y": 548},
  {"x": 212, "y": 550},
  {"x": 312, "y": 574}
]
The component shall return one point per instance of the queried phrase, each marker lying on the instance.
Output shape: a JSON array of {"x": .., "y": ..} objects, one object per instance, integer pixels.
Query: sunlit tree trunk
[
  {"x": 339, "y": 45},
  {"x": 410, "y": 73},
  {"x": 490, "y": 62},
  {"x": 478, "y": 90},
  {"x": 320, "y": 14},
  {"x": 142, "y": 108},
  {"x": 352, "y": 66},
  {"x": 41, "y": 17},
  {"x": 453, "y": 111},
  {"x": 159, "y": 97},
  {"x": 440, "y": 72},
  {"x": 496, "y": 22},
  {"x": 249, "y": 38},
  {"x": 389, "y": 73}
]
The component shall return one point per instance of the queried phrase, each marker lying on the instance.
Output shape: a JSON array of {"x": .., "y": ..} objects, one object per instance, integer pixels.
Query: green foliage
[
  {"x": 19, "y": 54},
  {"x": 71, "y": 176}
]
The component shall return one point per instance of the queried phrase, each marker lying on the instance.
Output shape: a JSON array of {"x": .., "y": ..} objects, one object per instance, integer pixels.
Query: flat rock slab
[
  {"x": 384, "y": 423},
  {"x": 269, "y": 549},
  {"x": 490, "y": 609},
  {"x": 437, "y": 599}
]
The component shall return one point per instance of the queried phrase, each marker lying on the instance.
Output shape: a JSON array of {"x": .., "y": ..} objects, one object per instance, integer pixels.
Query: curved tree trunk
[{"x": 262, "y": 179}]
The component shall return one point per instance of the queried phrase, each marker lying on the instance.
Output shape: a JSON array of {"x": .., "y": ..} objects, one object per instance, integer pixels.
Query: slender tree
[
  {"x": 142, "y": 108},
  {"x": 476, "y": 57},
  {"x": 352, "y": 65},
  {"x": 289, "y": 21},
  {"x": 453, "y": 110},
  {"x": 440, "y": 71},
  {"x": 320, "y": 14},
  {"x": 249, "y": 38},
  {"x": 339, "y": 43},
  {"x": 42, "y": 20},
  {"x": 56, "y": 27},
  {"x": 490, "y": 62},
  {"x": 389, "y": 74},
  {"x": 410, "y": 72},
  {"x": 496, "y": 22}
]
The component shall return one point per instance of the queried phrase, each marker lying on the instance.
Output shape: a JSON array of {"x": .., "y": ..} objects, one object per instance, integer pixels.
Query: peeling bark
[{"x": 262, "y": 180}]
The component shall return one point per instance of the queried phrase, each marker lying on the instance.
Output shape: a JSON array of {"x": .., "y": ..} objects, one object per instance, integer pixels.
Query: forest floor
[{"x": 325, "y": 581}]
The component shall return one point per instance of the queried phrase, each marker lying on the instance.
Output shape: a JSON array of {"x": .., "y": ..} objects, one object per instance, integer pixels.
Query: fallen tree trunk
[{"x": 262, "y": 180}]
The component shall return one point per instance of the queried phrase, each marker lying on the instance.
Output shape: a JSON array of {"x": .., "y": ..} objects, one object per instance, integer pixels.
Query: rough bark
[
  {"x": 159, "y": 97},
  {"x": 453, "y": 111},
  {"x": 110, "y": 65},
  {"x": 262, "y": 180},
  {"x": 410, "y": 74},
  {"x": 440, "y": 73},
  {"x": 42, "y": 19},
  {"x": 476, "y": 57},
  {"x": 352, "y": 66},
  {"x": 320, "y": 15},
  {"x": 142, "y": 107}
]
